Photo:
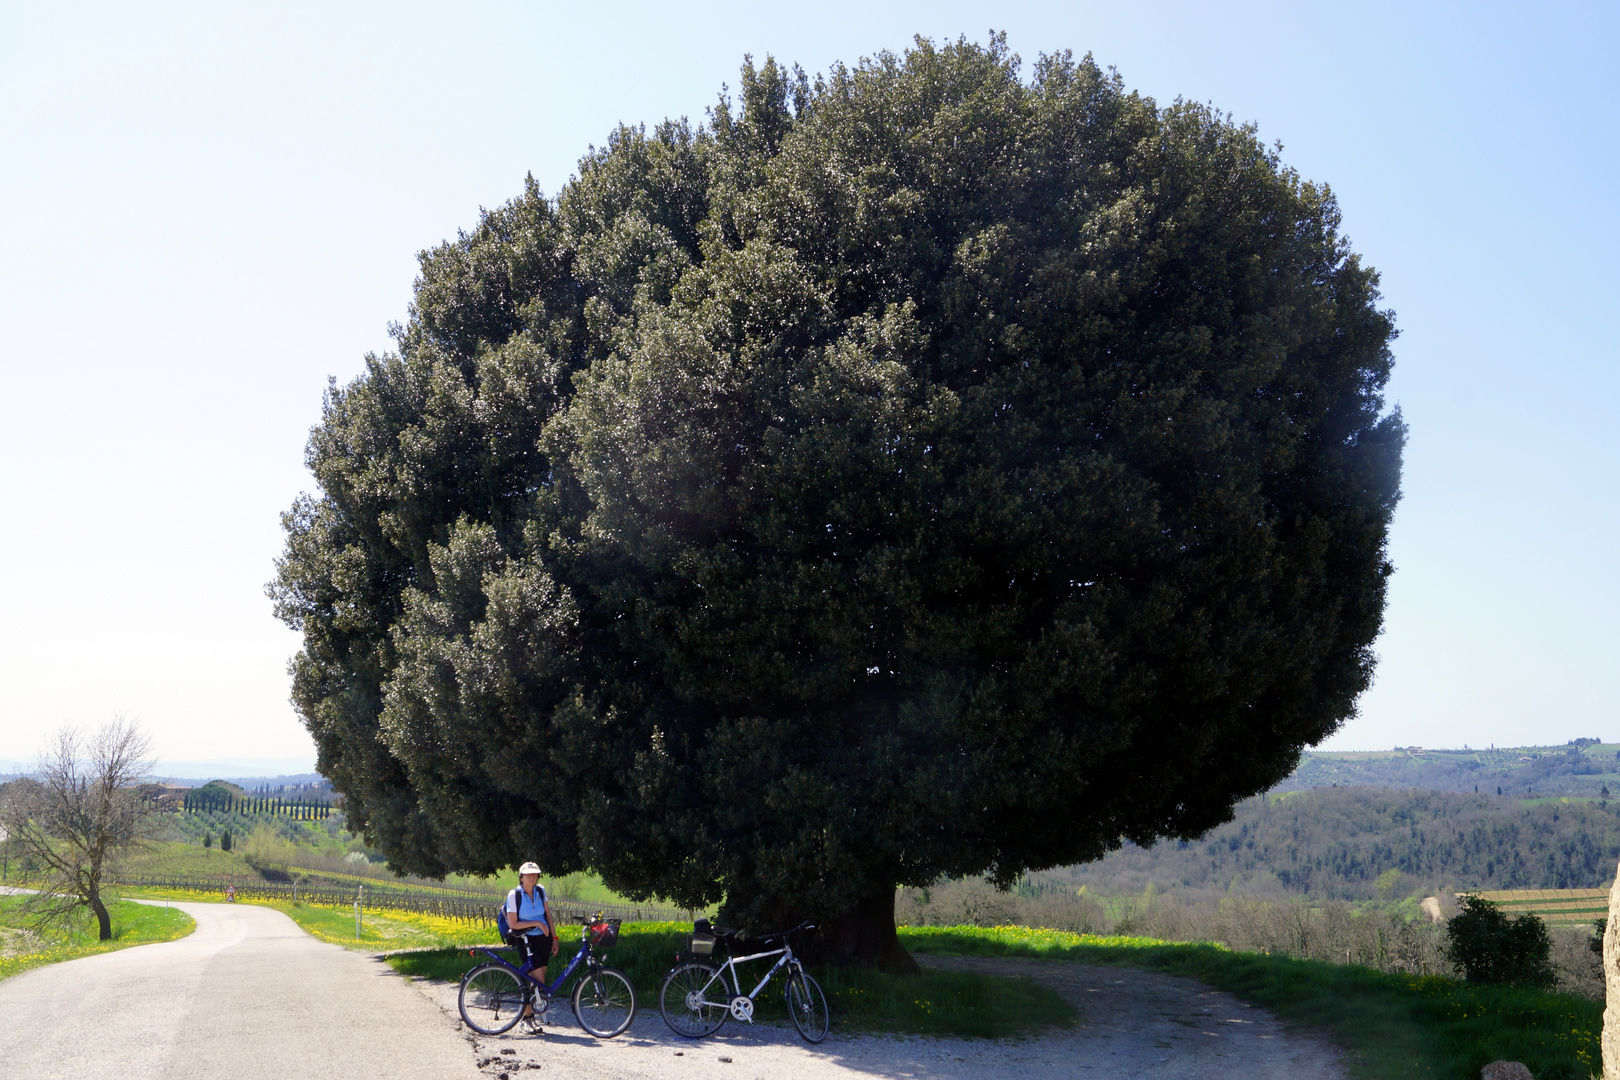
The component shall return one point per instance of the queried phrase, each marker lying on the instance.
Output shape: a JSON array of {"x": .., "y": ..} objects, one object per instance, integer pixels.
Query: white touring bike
[{"x": 696, "y": 998}]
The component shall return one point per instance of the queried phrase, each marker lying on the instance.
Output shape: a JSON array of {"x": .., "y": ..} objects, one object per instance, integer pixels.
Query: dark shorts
[{"x": 534, "y": 949}]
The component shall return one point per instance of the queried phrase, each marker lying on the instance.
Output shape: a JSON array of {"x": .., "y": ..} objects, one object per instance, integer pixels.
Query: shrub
[
  {"x": 266, "y": 847},
  {"x": 1491, "y": 947},
  {"x": 208, "y": 839},
  {"x": 225, "y": 840}
]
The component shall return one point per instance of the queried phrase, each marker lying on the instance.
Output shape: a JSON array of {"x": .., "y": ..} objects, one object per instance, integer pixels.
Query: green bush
[
  {"x": 208, "y": 839},
  {"x": 1491, "y": 947},
  {"x": 225, "y": 840}
]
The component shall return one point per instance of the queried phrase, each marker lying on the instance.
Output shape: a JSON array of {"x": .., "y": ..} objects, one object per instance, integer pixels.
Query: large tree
[{"x": 916, "y": 471}]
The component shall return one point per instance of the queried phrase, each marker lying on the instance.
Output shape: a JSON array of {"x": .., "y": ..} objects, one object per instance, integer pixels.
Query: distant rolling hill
[
  {"x": 1583, "y": 768},
  {"x": 1336, "y": 842}
]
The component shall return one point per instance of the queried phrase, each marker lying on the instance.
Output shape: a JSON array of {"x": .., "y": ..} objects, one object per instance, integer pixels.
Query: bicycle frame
[
  {"x": 785, "y": 952},
  {"x": 527, "y": 971}
]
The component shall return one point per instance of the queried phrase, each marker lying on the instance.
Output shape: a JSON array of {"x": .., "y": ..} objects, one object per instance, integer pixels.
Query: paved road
[{"x": 247, "y": 996}]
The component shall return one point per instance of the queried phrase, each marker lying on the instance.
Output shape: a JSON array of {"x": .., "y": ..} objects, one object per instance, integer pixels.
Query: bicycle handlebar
[{"x": 803, "y": 927}]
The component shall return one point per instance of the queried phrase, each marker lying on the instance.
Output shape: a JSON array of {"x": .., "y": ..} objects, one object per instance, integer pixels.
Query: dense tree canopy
[{"x": 915, "y": 471}]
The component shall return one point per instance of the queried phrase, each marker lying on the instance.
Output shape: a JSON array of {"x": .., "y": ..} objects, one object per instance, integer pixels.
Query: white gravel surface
[
  {"x": 247, "y": 996},
  {"x": 1132, "y": 1024}
]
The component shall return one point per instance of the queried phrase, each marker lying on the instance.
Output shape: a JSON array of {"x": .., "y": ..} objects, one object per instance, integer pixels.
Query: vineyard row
[{"x": 566, "y": 909}]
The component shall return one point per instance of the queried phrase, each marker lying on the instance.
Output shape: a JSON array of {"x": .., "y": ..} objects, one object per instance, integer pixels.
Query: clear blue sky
[{"x": 206, "y": 209}]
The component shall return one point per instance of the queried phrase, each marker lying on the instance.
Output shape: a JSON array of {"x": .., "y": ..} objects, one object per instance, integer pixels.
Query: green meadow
[{"x": 22, "y": 948}]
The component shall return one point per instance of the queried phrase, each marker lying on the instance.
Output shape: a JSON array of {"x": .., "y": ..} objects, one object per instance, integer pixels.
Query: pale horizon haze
[{"x": 207, "y": 210}]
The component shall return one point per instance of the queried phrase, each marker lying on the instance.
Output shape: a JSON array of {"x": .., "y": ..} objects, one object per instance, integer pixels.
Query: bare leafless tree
[
  {"x": 82, "y": 807},
  {"x": 5, "y": 839}
]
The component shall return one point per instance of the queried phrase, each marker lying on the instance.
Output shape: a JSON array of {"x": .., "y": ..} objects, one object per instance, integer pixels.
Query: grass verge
[
  {"x": 133, "y": 924},
  {"x": 1394, "y": 1026},
  {"x": 936, "y": 1003}
]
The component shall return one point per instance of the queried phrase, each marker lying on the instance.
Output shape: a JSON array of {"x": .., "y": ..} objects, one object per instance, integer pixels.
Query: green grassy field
[
  {"x": 1394, "y": 1026},
  {"x": 133, "y": 924},
  {"x": 935, "y": 1003},
  {"x": 184, "y": 860}
]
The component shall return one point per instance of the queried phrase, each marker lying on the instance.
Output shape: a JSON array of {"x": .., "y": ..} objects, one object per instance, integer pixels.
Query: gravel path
[
  {"x": 247, "y": 996},
  {"x": 1132, "y": 1023}
]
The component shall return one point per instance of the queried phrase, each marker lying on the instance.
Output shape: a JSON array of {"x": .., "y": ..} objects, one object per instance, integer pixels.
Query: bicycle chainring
[{"x": 743, "y": 1008}]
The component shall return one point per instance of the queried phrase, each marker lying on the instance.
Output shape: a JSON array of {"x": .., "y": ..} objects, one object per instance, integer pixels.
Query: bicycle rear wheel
[
  {"x": 808, "y": 1006},
  {"x": 694, "y": 1000},
  {"x": 491, "y": 999},
  {"x": 604, "y": 1003}
]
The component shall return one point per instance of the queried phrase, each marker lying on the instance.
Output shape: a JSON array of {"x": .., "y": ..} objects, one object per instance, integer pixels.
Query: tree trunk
[
  {"x": 101, "y": 916},
  {"x": 863, "y": 936}
]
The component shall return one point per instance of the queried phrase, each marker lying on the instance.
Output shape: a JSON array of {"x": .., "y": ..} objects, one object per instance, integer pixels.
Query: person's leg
[
  {"x": 528, "y": 955},
  {"x": 542, "y": 956}
]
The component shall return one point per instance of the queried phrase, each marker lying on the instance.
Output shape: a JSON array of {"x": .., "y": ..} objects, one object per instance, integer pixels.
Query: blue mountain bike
[{"x": 493, "y": 994}]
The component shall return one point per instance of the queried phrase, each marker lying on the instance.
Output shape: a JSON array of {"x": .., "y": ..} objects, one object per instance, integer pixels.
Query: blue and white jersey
[{"x": 529, "y": 908}]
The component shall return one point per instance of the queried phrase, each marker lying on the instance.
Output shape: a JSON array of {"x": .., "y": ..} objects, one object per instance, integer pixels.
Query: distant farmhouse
[{"x": 167, "y": 797}]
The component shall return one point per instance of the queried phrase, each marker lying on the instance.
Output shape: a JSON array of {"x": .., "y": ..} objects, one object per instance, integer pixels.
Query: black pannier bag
[
  {"x": 702, "y": 941},
  {"x": 604, "y": 933}
]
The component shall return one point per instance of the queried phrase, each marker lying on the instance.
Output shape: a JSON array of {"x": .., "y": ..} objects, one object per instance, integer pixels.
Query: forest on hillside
[{"x": 1343, "y": 843}]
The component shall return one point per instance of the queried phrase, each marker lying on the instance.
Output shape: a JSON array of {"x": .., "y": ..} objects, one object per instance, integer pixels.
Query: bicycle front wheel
[
  {"x": 491, "y": 1000},
  {"x": 808, "y": 1006},
  {"x": 604, "y": 1003},
  {"x": 694, "y": 1000}
]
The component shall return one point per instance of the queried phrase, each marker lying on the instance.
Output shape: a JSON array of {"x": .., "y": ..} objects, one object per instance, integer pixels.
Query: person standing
[{"x": 528, "y": 914}]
